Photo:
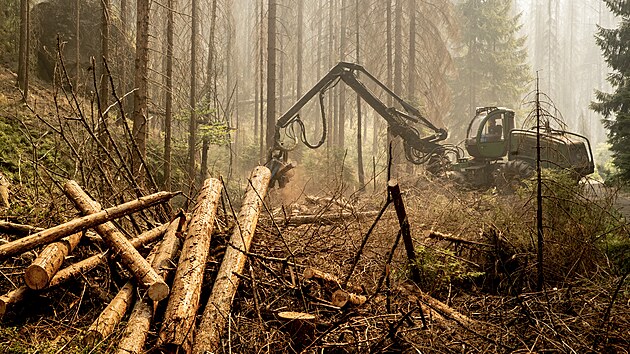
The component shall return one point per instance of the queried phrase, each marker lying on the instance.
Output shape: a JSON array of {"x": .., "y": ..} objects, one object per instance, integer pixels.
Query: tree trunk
[
  {"x": 104, "y": 94},
  {"x": 217, "y": 310},
  {"x": 140, "y": 94},
  {"x": 341, "y": 120},
  {"x": 210, "y": 94},
  {"x": 139, "y": 323},
  {"x": 261, "y": 82},
  {"x": 179, "y": 318},
  {"x": 399, "y": 205},
  {"x": 168, "y": 118},
  {"x": 107, "y": 321},
  {"x": 77, "y": 40},
  {"x": 360, "y": 170},
  {"x": 44, "y": 267},
  {"x": 24, "y": 47},
  {"x": 139, "y": 267},
  {"x": 411, "y": 65},
  {"x": 300, "y": 47},
  {"x": 271, "y": 74},
  {"x": 55, "y": 233},
  {"x": 192, "y": 122}
]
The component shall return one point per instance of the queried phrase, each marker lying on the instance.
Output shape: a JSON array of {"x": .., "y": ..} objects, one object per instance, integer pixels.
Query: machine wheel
[{"x": 512, "y": 176}]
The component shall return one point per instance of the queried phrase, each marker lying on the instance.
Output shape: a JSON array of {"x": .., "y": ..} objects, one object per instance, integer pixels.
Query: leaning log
[
  {"x": 218, "y": 308},
  {"x": 72, "y": 271},
  {"x": 139, "y": 267},
  {"x": 55, "y": 233},
  {"x": 139, "y": 322},
  {"x": 44, "y": 267},
  {"x": 107, "y": 321},
  {"x": 405, "y": 230},
  {"x": 179, "y": 318}
]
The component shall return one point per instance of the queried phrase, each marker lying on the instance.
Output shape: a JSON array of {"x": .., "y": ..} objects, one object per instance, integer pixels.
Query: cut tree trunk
[
  {"x": 342, "y": 298},
  {"x": 179, "y": 318},
  {"x": 300, "y": 326},
  {"x": 399, "y": 205},
  {"x": 55, "y": 233},
  {"x": 139, "y": 267},
  {"x": 13, "y": 297},
  {"x": 107, "y": 321},
  {"x": 44, "y": 267},
  {"x": 218, "y": 308},
  {"x": 139, "y": 322}
]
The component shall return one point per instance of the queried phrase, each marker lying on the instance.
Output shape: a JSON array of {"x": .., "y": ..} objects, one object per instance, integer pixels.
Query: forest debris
[
  {"x": 139, "y": 267},
  {"x": 399, "y": 205},
  {"x": 339, "y": 201},
  {"x": 447, "y": 237},
  {"x": 139, "y": 321},
  {"x": 110, "y": 317},
  {"x": 342, "y": 298},
  {"x": 54, "y": 233},
  {"x": 219, "y": 305},
  {"x": 324, "y": 219},
  {"x": 179, "y": 318},
  {"x": 44, "y": 267}
]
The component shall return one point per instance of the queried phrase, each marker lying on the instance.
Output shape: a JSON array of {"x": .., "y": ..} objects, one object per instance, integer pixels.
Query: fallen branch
[
  {"x": 179, "y": 318},
  {"x": 18, "y": 229},
  {"x": 219, "y": 305},
  {"x": 139, "y": 267},
  {"x": 342, "y": 298}
]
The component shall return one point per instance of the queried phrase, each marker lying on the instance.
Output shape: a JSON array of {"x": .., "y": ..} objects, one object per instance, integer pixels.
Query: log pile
[{"x": 185, "y": 287}]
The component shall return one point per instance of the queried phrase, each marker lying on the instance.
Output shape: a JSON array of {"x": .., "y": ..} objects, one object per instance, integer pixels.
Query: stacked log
[
  {"x": 57, "y": 232},
  {"x": 179, "y": 318},
  {"x": 44, "y": 267},
  {"x": 139, "y": 267},
  {"x": 141, "y": 316},
  {"x": 219, "y": 305}
]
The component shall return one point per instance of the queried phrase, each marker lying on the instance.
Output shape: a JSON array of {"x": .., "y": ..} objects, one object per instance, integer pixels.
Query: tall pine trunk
[
  {"x": 24, "y": 47},
  {"x": 210, "y": 93},
  {"x": 140, "y": 94},
  {"x": 271, "y": 74},
  {"x": 168, "y": 118},
  {"x": 360, "y": 172},
  {"x": 192, "y": 123}
]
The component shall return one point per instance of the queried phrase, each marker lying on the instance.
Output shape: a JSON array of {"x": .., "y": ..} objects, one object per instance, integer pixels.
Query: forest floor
[{"x": 475, "y": 254}]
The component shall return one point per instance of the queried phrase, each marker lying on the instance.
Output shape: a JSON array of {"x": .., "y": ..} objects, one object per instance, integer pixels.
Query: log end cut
[
  {"x": 158, "y": 291},
  {"x": 36, "y": 277},
  {"x": 342, "y": 298}
]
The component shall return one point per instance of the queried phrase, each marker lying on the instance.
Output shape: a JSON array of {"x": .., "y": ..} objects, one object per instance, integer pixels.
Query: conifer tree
[
  {"x": 614, "y": 106},
  {"x": 491, "y": 59}
]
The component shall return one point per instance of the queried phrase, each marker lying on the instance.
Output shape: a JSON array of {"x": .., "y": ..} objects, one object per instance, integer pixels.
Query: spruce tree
[
  {"x": 490, "y": 61},
  {"x": 615, "y": 107}
]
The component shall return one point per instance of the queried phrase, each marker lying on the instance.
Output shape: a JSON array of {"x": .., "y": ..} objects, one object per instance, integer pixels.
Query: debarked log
[
  {"x": 72, "y": 271},
  {"x": 55, "y": 233},
  {"x": 139, "y": 267},
  {"x": 38, "y": 274},
  {"x": 219, "y": 305},
  {"x": 179, "y": 319},
  {"x": 107, "y": 321},
  {"x": 139, "y": 323}
]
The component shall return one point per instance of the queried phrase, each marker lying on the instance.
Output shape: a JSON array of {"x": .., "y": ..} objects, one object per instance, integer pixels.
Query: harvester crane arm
[{"x": 418, "y": 147}]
